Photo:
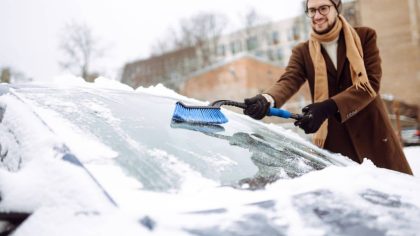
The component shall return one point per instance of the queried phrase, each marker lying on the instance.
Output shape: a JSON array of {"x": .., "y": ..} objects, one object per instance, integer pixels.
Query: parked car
[
  {"x": 411, "y": 136},
  {"x": 95, "y": 161}
]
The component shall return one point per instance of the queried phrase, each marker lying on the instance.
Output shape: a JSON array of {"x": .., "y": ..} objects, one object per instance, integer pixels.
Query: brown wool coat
[{"x": 361, "y": 128}]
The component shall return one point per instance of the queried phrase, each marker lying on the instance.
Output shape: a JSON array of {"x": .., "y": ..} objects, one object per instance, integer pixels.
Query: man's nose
[{"x": 318, "y": 15}]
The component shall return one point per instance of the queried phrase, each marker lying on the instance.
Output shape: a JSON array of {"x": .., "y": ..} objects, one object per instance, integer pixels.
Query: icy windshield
[{"x": 135, "y": 133}]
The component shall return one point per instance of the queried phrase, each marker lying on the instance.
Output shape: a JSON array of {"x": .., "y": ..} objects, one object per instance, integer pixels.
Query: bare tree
[
  {"x": 206, "y": 30},
  {"x": 166, "y": 43},
  {"x": 202, "y": 31},
  {"x": 80, "y": 48},
  {"x": 255, "y": 27},
  {"x": 253, "y": 18}
]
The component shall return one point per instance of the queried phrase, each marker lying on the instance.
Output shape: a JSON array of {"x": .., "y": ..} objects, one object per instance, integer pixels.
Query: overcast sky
[{"x": 30, "y": 29}]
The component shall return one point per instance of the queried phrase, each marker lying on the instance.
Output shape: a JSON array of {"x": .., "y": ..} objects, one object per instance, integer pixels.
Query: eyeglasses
[{"x": 323, "y": 10}]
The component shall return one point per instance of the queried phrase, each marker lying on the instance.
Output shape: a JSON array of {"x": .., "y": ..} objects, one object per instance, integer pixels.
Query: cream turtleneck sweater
[{"x": 331, "y": 48}]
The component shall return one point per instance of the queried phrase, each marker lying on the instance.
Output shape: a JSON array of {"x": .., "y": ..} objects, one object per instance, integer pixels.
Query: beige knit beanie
[{"x": 337, "y": 4}]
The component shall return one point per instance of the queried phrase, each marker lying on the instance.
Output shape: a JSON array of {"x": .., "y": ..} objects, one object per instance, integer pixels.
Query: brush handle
[
  {"x": 283, "y": 113},
  {"x": 271, "y": 112},
  {"x": 219, "y": 103}
]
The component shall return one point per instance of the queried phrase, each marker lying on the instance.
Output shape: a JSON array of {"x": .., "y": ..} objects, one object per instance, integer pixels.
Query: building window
[
  {"x": 275, "y": 38},
  {"x": 279, "y": 54},
  {"x": 235, "y": 47},
  {"x": 251, "y": 43},
  {"x": 221, "y": 51},
  {"x": 232, "y": 48},
  {"x": 239, "y": 46},
  {"x": 295, "y": 33},
  {"x": 270, "y": 55},
  {"x": 259, "y": 53}
]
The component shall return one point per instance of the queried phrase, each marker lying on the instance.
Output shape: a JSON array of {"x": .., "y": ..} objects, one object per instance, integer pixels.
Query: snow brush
[{"x": 213, "y": 115}]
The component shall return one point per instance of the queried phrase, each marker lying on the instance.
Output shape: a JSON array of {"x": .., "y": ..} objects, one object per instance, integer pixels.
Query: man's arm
[
  {"x": 352, "y": 100},
  {"x": 290, "y": 82}
]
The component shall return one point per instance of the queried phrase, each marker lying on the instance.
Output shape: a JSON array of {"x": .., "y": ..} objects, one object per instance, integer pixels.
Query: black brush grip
[
  {"x": 242, "y": 105},
  {"x": 296, "y": 116},
  {"x": 235, "y": 104},
  {"x": 220, "y": 103}
]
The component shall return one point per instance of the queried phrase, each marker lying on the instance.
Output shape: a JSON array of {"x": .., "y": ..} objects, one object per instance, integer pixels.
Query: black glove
[
  {"x": 256, "y": 107},
  {"x": 315, "y": 114}
]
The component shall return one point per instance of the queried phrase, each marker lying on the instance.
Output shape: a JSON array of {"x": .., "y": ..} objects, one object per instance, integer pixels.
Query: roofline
[{"x": 230, "y": 60}]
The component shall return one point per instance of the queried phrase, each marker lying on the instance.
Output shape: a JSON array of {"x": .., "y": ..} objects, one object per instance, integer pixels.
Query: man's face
[{"x": 322, "y": 24}]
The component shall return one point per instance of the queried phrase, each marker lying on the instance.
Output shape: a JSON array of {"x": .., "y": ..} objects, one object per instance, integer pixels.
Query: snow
[
  {"x": 69, "y": 80},
  {"x": 39, "y": 168},
  {"x": 413, "y": 156},
  {"x": 64, "y": 195},
  {"x": 85, "y": 146},
  {"x": 102, "y": 82},
  {"x": 35, "y": 137},
  {"x": 67, "y": 222},
  {"x": 47, "y": 182},
  {"x": 345, "y": 182}
]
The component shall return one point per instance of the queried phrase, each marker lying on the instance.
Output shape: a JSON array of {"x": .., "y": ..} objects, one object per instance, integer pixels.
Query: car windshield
[{"x": 164, "y": 155}]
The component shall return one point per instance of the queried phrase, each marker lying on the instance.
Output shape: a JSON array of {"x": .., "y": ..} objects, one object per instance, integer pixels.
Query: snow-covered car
[{"x": 96, "y": 161}]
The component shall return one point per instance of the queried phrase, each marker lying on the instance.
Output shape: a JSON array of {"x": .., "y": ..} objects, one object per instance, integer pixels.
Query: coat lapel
[{"x": 341, "y": 54}]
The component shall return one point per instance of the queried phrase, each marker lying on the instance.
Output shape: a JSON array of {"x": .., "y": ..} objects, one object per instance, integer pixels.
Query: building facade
[
  {"x": 169, "y": 69},
  {"x": 397, "y": 24},
  {"x": 272, "y": 41}
]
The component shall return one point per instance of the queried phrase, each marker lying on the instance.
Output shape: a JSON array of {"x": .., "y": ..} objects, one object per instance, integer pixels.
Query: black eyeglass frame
[{"x": 318, "y": 10}]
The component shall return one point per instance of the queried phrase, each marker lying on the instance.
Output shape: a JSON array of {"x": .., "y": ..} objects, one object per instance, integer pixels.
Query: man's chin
[
  {"x": 321, "y": 31},
  {"x": 324, "y": 30}
]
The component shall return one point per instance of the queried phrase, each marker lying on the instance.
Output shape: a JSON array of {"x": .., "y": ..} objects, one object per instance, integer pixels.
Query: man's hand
[
  {"x": 257, "y": 107},
  {"x": 315, "y": 114}
]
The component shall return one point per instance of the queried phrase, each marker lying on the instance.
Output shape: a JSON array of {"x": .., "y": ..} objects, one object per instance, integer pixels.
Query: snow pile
[
  {"x": 64, "y": 221},
  {"x": 413, "y": 156},
  {"x": 349, "y": 184},
  {"x": 101, "y": 82},
  {"x": 40, "y": 170},
  {"x": 68, "y": 80},
  {"x": 48, "y": 182},
  {"x": 65, "y": 200},
  {"x": 354, "y": 179},
  {"x": 33, "y": 136},
  {"x": 362, "y": 190},
  {"x": 83, "y": 144},
  {"x": 161, "y": 90}
]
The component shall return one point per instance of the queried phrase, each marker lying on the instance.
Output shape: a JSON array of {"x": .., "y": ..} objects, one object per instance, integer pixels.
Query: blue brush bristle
[{"x": 196, "y": 114}]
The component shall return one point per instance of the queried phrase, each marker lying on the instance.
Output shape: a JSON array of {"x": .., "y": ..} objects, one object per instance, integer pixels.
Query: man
[{"x": 343, "y": 69}]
